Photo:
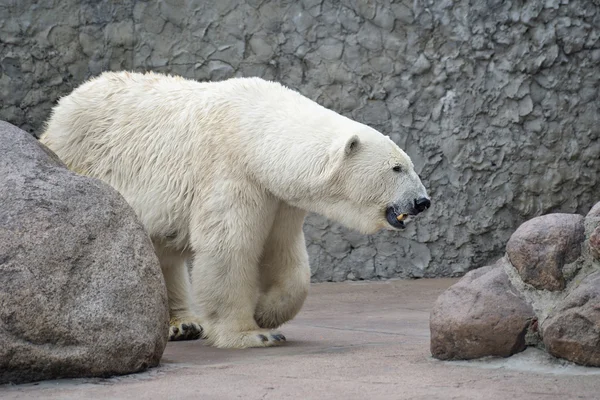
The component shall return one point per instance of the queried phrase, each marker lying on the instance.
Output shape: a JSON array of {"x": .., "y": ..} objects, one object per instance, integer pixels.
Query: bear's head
[{"x": 373, "y": 184}]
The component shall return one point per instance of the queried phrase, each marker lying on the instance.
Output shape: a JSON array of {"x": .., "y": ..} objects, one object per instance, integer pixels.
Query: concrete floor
[{"x": 351, "y": 341}]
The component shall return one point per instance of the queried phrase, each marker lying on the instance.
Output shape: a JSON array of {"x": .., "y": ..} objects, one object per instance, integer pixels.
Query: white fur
[{"x": 225, "y": 172}]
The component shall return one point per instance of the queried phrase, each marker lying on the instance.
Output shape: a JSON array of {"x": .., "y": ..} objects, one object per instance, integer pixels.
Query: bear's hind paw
[
  {"x": 242, "y": 340},
  {"x": 184, "y": 330},
  {"x": 271, "y": 336},
  {"x": 262, "y": 338}
]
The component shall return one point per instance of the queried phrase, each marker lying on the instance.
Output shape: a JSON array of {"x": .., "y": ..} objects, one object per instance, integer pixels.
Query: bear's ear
[{"x": 352, "y": 145}]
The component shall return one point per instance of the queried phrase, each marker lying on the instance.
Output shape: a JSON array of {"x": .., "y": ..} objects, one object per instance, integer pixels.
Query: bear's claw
[
  {"x": 278, "y": 337},
  {"x": 270, "y": 338},
  {"x": 179, "y": 330}
]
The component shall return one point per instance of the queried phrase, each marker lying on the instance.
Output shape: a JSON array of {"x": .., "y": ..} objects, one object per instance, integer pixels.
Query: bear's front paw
[{"x": 183, "y": 329}]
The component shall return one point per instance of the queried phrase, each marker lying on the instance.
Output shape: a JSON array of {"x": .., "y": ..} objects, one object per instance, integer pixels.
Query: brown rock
[
  {"x": 572, "y": 331},
  {"x": 481, "y": 315},
  {"x": 540, "y": 248},
  {"x": 81, "y": 291}
]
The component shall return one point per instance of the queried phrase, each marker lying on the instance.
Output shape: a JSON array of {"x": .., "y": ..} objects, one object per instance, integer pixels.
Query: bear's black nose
[{"x": 422, "y": 204}]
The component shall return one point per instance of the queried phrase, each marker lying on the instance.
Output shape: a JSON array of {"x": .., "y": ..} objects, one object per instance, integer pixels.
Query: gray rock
[
  {"x": 82, "y": 292},
  {"x": 542, "y": 246},
  {"x": 572, "y": 331},
  {"x": 594, "y": 244},
  {"x": 592, "y": 220},
  {"x": 481, "y": 315},
  {"x": 517, "y": 156},
  {"x": 421, "y": 65}
]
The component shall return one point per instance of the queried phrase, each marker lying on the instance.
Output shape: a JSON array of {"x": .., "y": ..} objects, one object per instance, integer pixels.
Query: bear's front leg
[
  {"x": 228, "y": 236},
  {"x": 227, "y": 292},
  {"x": 284, "y": 270}
]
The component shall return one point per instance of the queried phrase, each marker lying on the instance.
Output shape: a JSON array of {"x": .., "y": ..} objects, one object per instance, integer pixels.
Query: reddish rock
[
  {"x": 572, "y": 331},
  {"x": 481, "y": 315},
  {"x": 542, "y": 246}
]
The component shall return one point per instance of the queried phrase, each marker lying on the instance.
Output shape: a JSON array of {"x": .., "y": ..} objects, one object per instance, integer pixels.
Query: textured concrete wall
[{"x": 496, "y": 101}]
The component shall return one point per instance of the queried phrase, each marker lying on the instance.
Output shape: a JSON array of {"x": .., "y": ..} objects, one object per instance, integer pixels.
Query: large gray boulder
[{"x": 81, "y": 291}]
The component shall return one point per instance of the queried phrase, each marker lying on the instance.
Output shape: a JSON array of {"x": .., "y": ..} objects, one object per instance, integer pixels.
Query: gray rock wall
[{"x": 496, "y": 101}]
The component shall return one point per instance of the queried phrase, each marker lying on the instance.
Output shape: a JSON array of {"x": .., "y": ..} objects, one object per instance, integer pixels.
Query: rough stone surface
[
  {"x": 592, "y": 231},
  {"x": 481, "y": 315},
  {"x": 81, "y": 291},
  {"x": 542, "y": 246},
  {"x": 593, "y": 216},
  {"x": 573, "y": 330},
  {"x": 496, "y": 102},
  {"x": 594, "y": 244}
]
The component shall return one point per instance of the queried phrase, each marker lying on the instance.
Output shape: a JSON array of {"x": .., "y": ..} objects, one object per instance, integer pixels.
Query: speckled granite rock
[
  {"x": 592, "y": 229},
  {"x": 481, "y": 315},
  {"x": 496, "y": 102},
  {"x": 81, "y": 291},
  {"x": 594, "y": 244}
]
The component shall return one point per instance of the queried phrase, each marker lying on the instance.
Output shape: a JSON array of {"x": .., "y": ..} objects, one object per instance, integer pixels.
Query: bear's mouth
[{"x": 396, "y": 218}]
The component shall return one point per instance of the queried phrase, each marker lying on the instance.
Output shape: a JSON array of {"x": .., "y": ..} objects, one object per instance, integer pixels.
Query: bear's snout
[{"x": 422, "y": 204}]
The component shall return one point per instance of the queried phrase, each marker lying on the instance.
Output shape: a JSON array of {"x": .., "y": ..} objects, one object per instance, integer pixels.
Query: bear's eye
[{"x": 397, "y": 168}]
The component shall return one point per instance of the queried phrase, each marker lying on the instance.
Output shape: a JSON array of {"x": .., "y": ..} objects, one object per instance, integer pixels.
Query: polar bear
[{"x": 222, "y": 174}]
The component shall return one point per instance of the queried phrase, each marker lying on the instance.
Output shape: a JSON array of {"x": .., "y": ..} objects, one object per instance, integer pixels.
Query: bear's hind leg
[
  {"x": 284, "y": 270},
  {"x": 183, "y": 323}
]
